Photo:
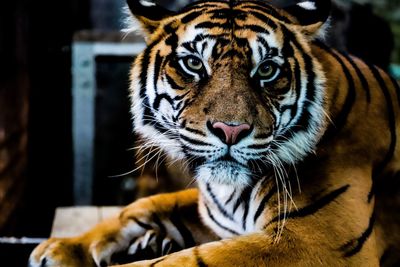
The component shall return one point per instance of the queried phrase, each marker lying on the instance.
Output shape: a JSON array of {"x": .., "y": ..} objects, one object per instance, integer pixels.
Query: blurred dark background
[{"x": 39, "y": 145}]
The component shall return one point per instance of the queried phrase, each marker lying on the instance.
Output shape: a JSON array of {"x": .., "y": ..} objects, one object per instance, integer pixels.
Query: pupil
[
  {"x": 194, "y": 62},
  {"x": 266, "y": 69}
]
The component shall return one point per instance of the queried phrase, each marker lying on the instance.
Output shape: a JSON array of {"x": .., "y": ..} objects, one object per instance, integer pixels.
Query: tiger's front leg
[
  {"x": 261, "y": 250},
  {"x": 148, "y": 228}
]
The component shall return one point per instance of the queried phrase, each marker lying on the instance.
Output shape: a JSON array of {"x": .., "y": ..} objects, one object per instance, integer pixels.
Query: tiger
[{"x": 293, "y": 145}]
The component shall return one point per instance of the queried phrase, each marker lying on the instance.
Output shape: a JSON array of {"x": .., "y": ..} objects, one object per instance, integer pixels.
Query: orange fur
[{"x": 333, "y": 222}]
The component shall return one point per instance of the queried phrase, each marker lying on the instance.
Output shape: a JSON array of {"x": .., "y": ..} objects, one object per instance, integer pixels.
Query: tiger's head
[{"x": 230, "y": 87}]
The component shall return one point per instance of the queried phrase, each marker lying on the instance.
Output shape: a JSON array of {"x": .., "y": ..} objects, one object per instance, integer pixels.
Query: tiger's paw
[
  {"x": 61, "y": 252},
  {"x": 146, "y": 243}
]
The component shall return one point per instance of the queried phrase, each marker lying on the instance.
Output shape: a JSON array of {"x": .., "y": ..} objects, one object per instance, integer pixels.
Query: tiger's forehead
[
  {"x": 218, "y": 34},
  {"x": 235, "y": 14},
  {"x": 247, "y": 28}
]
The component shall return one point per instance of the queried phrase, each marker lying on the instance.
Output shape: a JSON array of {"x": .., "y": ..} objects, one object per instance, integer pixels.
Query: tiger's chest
[{"x": 231, "y": 211}]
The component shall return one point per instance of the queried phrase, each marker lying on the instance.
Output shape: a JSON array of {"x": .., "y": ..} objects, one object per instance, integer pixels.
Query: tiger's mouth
[
  {"x": 229, "y": 159},
  {"x": 237, "y": 165},
  {"x": 224, "y": 171}
]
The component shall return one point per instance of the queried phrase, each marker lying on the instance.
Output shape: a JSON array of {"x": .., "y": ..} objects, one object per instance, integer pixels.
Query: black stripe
[
  {"x": 202, "y": 4},
  {"x": 242, "y": 42},
  {"x": 264, "y": 202},
  {"x": 363, "y": 80},
  {"x": 264, "y": 42},
  {"x": 181, "y": 227},
  {"x": 260, "y": 51},
  {"x": 191, "y": 16},
  {"x": 195, "y": 131},
  {"x": 202, "y": 36},
  {"x": 173, "y": 84},
  {"x": 144, "y": 69},
  {"x": 354, "y": 246},
  {"x": 172, "y": 41},
  {"x": 264, "y": 18},
  {"x": 177, "y": 107},
  {"x": 199, "y": 259},
  {"x": 159, "y": 223},
  {"x": 218, "y": 223},
  {"x": 190, "y": 47},
  {"x": 157, "y": 68},
  {"x": 186, "y": 104},
  {"x": 195, "y": 161},
  {"x": 217, "y": 203},
  {"x": 166, "y": 122},
  {"x": 341, "y": 119},
  {"x": 157, "y": 261},
  {"x": 254, "y": 28},
  {"x": 314, "y": 207},
  {"x": 297, "y": 78},
  {"x": 180, "y": 97},
  {"x": 192, "y": 150},
  {"x": 210, "y": 25},
  {"x": 141, "y": 224},
  {"x": 203, "y": 48},
  {"x": 220, "y": 43},
  {"x": 246, "y": 207},
  {"x": 159, "y": 127},
  {"x": 226, "y": 13},
  {"x": 149, "y": 117},
  {"x": 397, "y": 88},
  {"x": 305, "y": 118},
  {"x": 392, "y": 126},
  {"x": 288, "y": 50},
  {"x": 147, "y": 114},
  {"x": 243, "y": 197},
  {"x": 230, "y": 197},
  {"x": 267, "y": 10},
  {"x": 193, "y": 141},
  {"x": 159, "y": 98}
]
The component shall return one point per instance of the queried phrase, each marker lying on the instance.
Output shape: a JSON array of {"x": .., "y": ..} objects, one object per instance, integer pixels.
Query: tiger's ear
[
  {"x": 148, "y": 15},
  {"x": 310, "y": 14}
]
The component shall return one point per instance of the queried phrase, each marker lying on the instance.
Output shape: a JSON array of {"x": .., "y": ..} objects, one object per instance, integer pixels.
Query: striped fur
[{"x": 313, "y": 182}]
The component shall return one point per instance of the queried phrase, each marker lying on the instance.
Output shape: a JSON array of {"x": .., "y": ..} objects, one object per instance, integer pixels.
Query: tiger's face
[{"x": 231, "y": 88}]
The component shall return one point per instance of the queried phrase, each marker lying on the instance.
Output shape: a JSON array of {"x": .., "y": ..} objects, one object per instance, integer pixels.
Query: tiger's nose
[{"x": 230, "y": 134}]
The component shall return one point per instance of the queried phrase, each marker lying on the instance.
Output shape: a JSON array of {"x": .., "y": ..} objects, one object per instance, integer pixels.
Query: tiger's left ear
[
  {"x": 310, "y": 14},
  {"x": 148, "y": 14}
]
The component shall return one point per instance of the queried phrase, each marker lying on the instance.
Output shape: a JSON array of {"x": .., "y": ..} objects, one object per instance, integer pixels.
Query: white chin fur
[{"x": 222, "y": 172}]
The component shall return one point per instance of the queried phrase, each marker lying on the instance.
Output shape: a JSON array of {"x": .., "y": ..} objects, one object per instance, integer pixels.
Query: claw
[
  {"x": 134, "y": 240},
  {"x": 43, "y": 262},
  {"x": 166, "y": 246}
]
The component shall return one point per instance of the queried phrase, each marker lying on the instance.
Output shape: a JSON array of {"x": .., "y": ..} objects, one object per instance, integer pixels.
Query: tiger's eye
[
  {"x": 194, "y": 63},
  {"x": 266, "y": 70}
]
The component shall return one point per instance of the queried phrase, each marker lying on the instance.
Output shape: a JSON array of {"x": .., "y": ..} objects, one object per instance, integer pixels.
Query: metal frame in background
[{"x": 83, "y": 110}]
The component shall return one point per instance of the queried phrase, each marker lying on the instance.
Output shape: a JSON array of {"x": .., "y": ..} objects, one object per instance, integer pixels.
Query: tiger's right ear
[
  {"x": 310, "y": 14},
  {"x": 148, "y": 14}
]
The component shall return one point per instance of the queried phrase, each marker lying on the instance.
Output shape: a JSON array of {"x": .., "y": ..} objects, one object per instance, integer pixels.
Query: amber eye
[
  {"x": 193, "y": 64},
  {"x": 268, "y": 71}
]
